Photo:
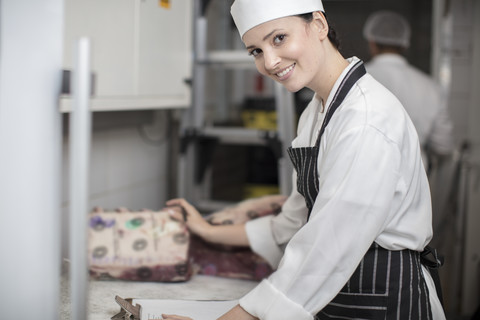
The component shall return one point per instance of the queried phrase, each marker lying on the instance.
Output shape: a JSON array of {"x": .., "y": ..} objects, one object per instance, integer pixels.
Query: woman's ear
[{"x": 320, "y": 24}]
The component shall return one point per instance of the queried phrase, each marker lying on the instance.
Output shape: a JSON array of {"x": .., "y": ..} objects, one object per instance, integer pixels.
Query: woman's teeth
[{"x": 284, "y": 72}]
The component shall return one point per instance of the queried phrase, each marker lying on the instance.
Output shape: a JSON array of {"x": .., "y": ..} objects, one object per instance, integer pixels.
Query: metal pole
[{"x": 80, "y": 127}]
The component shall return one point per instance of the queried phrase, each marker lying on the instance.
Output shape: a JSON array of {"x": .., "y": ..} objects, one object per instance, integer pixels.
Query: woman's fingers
[
  {"x": 179, "y": 202},
  {"x": 185, "y": 208},
  {"x": 176, "y": 213},
  {"x": 181, "y": 210},
  {"x": 176, "y": 209}
]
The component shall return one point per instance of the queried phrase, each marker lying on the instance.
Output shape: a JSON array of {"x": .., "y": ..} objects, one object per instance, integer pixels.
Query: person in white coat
[
  {"x": 348, "y": 243},
  {"x": 388, "y": 35}
]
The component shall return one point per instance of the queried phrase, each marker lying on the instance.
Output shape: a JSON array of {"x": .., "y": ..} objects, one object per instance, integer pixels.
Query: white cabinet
[{"x": 141, "y": 52}]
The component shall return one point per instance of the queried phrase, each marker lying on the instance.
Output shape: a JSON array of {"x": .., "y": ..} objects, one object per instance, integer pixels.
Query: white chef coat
[
  {"x": 373, "y": 187},
  {"x": 423, "y": 99}
]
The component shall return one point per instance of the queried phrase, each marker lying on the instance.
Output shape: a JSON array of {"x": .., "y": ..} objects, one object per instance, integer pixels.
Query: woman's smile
[{"x": 285, "y": 73}]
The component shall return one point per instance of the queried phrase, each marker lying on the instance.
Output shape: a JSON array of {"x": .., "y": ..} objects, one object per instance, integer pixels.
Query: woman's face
[{"x": 288, "y": 50}]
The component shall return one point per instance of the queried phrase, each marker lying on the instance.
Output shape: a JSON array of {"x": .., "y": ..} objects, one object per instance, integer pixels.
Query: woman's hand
[
  {"x": 237, "y": 313},
  {"x": 235, "y": 234},
  {"x": 180, "y": 210}
]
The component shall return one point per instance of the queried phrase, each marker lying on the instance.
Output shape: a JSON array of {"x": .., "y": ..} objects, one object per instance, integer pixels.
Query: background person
[
  {"x": 388, "y": 36},
  {"x": 347, "y": 243}
]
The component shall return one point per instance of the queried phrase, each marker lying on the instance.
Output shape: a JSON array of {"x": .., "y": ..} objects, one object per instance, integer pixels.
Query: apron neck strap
[{"x": 353, "y": 75}]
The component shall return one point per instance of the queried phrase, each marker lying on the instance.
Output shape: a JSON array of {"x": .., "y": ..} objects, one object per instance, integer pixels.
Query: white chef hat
[
  {"x": 388, "y": 28},
  {"x": 250, "y": 13}
]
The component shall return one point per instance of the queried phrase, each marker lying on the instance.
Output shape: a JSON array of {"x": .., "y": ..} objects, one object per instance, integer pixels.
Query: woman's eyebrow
[
  {"x": 268, "y": 35},
  {"x": 264, "y": 38}
]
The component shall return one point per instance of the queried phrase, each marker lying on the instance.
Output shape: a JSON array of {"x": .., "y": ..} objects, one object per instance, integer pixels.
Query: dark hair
[{"x": 332, "y": 34}]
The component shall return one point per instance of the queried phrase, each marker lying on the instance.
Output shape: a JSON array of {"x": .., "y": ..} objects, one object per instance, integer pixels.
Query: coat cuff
[
  {"x": 260, "y": 237},
  {"x": 268, "y": 303}
]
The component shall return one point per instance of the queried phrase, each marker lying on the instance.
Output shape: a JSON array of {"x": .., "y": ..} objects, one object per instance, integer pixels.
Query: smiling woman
[{"x": 348, "y": 242}]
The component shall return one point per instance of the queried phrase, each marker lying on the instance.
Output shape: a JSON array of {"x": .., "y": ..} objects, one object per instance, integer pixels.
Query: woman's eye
[
  {"x": 279, "y": 38},
  {"x": 255, "y": 52}
]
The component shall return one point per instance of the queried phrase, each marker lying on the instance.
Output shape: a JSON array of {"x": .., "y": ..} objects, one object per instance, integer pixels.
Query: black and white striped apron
[{"x": 386, "y": 284}]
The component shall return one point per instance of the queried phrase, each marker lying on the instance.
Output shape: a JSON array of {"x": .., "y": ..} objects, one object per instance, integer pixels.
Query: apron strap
[
  {"x": 305, "y": 159},
  {"x": 430, "y": 258},
  {"x": 353, "y": 75}
]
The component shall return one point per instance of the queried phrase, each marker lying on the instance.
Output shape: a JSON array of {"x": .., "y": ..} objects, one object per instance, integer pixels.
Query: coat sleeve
[
  {"x": 358, "y": 177},
  {"x": 269, "y": 235}
]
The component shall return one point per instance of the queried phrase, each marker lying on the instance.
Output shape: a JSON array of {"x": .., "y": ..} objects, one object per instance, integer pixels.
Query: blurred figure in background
[{"x": 388, "y": 36}]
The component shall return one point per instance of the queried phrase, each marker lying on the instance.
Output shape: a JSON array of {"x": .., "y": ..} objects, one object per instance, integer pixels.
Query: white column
[
  {"x": 30, "y": 158},
  {"x": 80, "y": 128}
]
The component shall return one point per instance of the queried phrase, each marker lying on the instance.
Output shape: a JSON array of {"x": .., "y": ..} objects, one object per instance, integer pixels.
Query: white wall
[{"x": 125, "y": 170}]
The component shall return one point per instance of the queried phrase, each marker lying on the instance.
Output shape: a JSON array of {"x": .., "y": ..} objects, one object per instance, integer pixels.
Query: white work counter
[{"x": 102, "y": 305}]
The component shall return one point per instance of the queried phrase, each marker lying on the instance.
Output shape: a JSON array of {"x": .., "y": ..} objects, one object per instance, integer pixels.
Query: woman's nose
[{"x": 271, "y": 60}]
